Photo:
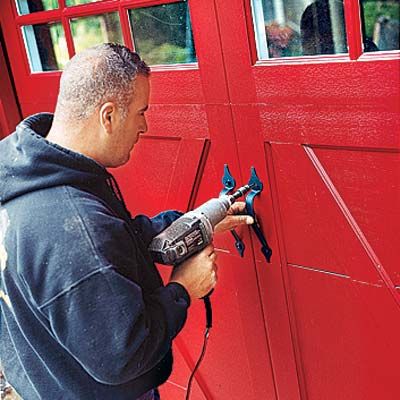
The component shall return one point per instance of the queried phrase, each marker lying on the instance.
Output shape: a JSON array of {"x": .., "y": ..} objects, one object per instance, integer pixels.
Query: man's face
[{"x": 134, "y": 124}]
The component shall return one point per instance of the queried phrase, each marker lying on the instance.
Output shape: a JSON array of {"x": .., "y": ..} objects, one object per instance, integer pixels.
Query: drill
[
  {"x": 189, "y": 234},
  {"x": 193, "y": 231}
]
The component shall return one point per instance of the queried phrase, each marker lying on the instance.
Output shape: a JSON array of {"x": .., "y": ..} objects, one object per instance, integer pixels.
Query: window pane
[
  {"x": 289, "y": 28},
  {"x": 381, "y": 20},
  {"x": 46, "y": 46},
  {"x": 163, "y": 34},
  {"x": 89, "y": 31},
  {"x": 76, "y": 2},
  {"x": 30, "y": 6}
]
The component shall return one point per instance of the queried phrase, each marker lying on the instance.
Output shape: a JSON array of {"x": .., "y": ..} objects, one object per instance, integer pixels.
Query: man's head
[{"x": 103, "y": 96}]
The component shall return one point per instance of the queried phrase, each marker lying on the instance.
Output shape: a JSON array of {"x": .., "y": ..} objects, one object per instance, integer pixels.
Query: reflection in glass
[
  {"x": 30, "y": 6},
  {"x": 289, "y": 28},
  {"x": 380, "y": 21},
  {"x": 89, "y": 31},
  {"x": 76, "y": 2},
  {"x": 163, "y": 34},
  {"x": 46, "y": 46}
]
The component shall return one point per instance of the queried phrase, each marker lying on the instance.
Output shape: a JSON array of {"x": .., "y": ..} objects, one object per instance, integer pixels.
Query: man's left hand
[{"x": 232, "y": 220}]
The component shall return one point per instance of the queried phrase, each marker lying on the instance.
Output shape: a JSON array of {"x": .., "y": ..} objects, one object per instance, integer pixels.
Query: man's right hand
[{"x": 198, "y": 274}]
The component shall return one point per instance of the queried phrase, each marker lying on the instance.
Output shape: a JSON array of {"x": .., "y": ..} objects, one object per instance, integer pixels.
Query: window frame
[
  {"x": 354, "y": 36},
  {"x": 64, "y": 14}
]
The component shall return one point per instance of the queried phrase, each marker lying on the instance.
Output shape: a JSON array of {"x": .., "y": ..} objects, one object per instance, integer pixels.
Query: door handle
[
  {"x": 229, "y": 183},
  {"x": 257, "y": 188}
]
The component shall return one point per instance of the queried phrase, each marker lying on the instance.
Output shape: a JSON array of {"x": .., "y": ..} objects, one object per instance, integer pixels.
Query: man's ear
[{"x": 107, "y": 116}]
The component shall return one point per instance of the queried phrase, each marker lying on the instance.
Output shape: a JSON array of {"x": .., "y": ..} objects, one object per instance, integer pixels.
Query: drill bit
[{"x": 241, "y": 192}]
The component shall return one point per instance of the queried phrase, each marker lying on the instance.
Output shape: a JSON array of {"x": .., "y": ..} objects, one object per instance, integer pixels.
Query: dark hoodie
[{"x": 84, "y": 313}]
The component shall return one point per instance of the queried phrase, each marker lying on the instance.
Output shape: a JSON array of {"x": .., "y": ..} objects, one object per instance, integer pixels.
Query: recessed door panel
[
  {"x": 355, "y": 172},
  {"x": 348, "y": 336},
  {"x": 319, "y": 228},
  {"x": 170, "y": 165}
]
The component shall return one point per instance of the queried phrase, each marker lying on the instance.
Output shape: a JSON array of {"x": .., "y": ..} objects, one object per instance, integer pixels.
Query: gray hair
[{"x": 96, "y": 75}]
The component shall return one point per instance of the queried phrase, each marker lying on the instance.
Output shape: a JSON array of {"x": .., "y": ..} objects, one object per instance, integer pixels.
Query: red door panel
[
  {"x": 323, "y": 134},
  {"x": 341, "y": 82},
  {"x": 334, "y": 242},
  {"x": 348, "y": 336},
  {"x": 171, "y": 166},
  {"x": 371, "y": 126},
  {"x": 272, "y": 278},
  {"x": 376, "y": 215},
  {"x": 9, "y": 112},
  {"x": 3, "y": 121},
  {"x": 175, "y": 387}
]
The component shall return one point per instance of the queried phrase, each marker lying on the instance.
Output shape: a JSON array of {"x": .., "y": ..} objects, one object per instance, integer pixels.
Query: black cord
[
  {"x": 203, "y": 352},
  {"x": 207, "y": 304}
]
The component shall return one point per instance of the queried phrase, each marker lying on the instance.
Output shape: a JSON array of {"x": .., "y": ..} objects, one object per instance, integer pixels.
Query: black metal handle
[
  {"x": 229, "y": 183},
  {"x": 257, "y": 188}
]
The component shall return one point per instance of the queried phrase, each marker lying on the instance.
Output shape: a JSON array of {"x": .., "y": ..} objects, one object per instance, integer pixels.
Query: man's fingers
[
  {"x": 236, "y": 220},
  {"x": 209, "y": 249},
  {"x": 213, "y": 256},
  {"x": 215, "y": 267},
  {"x": 237, "y": 207},
  {"x": 214, "y": 277},
  {"x": 233, "y": 221}
]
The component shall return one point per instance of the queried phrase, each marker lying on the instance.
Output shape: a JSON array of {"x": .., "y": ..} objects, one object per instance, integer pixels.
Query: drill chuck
[{"x": 241, "y": 192}]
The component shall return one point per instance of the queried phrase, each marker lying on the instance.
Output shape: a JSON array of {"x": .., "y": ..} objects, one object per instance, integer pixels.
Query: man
[{"x": 84, "y": 313}]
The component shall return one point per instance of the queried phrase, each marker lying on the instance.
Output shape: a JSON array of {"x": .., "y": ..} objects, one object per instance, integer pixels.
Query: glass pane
[
  {"x": 76, "y": 2},
  {"x": 163, "y": 34},
  {"x": 46, "y": 46},
  {"x": 289, "y": 28},
  {"x": 381, "y": 21},
  {"x": 89, "y": 31},
  {"x": 30, "y": 6}
]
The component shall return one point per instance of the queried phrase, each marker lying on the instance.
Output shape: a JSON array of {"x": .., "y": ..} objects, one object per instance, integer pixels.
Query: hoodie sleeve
[
  {"x": 151, "y": 227},
  {"x": 111, "y": 330}
]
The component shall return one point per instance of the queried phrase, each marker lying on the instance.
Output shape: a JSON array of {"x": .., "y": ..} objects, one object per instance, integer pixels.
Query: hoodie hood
[{"x": 29, "y": 162}]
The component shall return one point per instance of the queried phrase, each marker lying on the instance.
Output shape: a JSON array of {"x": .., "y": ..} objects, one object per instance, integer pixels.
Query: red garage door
[
  {"x": 315, "y": 93},
  {"x": 307, "y": 93},
  {"x": 177, "y": 164}
]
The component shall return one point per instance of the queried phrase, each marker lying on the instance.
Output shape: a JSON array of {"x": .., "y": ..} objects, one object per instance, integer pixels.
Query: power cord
[
  {"x": 207, "y": 304},
  {"x": 203, "y": 352}
]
